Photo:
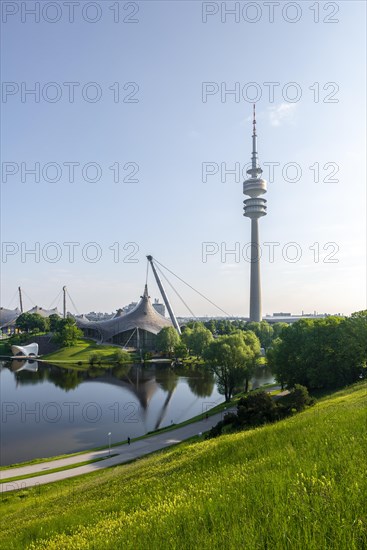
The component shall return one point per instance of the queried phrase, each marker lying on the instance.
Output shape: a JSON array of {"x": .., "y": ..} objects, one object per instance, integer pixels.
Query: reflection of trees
[
  {"x": 25, "y": 378},
  {"x": 201, "y": 383},
  {"x": 66, "y": 379},
  {"x": 167, "y": 378},
  {"x": 262, "y": 375},
  {"x": 200, "y": 380},
  {"x": 221, "y": 388},
  {"x": 121, "y": 371}
]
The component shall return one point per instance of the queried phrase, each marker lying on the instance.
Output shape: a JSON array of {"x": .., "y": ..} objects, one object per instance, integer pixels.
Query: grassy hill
[
  {"x": 83, "y": 350},
  {"x": 298, "y": 484}
]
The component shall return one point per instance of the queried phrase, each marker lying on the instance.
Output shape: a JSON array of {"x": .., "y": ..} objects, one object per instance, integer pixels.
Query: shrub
[
  {"x": 256, "y": 408},
  {"x": 18, "y": 339},
  {"x": 121, "y": 356},
  {"x": 215, "y": 430},
  {"x": 299, "y": 398},
  {"x": 227, "y": 425},
  {"x": 95, "y": 358}
]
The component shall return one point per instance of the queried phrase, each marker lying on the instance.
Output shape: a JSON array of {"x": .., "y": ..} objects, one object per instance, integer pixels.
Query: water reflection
[
  {"x": 262, "y": 375},
  {"x": 18, "y": 365},
  {"x": 142, "y": 381},
  {"x": 51, "y": 410}
]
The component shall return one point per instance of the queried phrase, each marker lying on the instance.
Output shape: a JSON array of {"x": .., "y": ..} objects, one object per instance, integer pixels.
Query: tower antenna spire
[
  {"x": 255, "y": 170},
  {"x": 254, "y": 120}
]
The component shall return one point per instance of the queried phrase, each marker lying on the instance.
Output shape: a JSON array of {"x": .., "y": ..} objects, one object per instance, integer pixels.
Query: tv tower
[{"x": 255, "y": 208}]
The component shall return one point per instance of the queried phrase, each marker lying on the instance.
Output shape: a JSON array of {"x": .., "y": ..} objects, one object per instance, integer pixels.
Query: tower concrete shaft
[
  {"x": 255, "y": 286},
  {"x": 255, "y": 207}
]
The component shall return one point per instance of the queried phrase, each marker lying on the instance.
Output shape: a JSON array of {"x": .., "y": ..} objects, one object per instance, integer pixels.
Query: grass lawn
[
  {"x": 82, "y": 351},
  {"x": 297, "y": 484}
]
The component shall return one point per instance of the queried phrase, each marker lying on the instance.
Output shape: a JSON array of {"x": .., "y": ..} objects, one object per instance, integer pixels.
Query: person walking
[{"x": 128, "y": 440}]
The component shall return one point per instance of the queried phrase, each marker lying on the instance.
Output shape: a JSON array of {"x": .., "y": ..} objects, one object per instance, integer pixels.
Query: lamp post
[{"x": 109, "y": 443}]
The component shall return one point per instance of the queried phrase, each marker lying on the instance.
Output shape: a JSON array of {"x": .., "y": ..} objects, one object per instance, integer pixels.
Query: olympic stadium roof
[
  {"x": 143, "y": 316},
  {"x": 7, "y": 316},
  {"x": 44, "y": 312}
]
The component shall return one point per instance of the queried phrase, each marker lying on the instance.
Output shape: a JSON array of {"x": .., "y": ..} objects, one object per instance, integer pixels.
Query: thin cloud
[{"x": 283, "y": 113}]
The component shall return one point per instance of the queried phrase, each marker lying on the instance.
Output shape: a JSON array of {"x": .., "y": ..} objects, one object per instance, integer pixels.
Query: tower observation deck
[{"x": 254, "y": 208}]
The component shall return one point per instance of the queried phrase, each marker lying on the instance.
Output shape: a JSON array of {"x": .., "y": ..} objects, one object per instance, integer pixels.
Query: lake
[{"x": 49, "y": 410}]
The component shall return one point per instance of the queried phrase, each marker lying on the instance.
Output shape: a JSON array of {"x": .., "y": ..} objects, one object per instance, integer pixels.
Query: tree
[
  {"x": 121, "y": 356},
  {"x": 211, "y": 325},
  {"x": 263, "y": 331},
  {"x": 167, "y": 340},
  {"x": 252, "y": 341},
  {"x": 186, "y": 337},
  {"x": 54, "y": 321},
  {"x": 230, "y": 358},
  {"x": 67, "y": 332},
  {"x": 266, "y": 334},
  {"x": 238, "y": 324},
  {"x": 358, "y": 323},
  {"x": 24, "y": 322},
  {"x": 321, "y": 353},
  {"x": 276, "y": 358},
  {"x": 180, "y": 350},
  {"x": 278, "y": 329},
  {"x": 254, "y": 326},
  {"x": 225, "y": 327},
  {"x": 32, "y": 322},
  {"x": 286, "y": 356},
  {"x": 197, "y": 338}
]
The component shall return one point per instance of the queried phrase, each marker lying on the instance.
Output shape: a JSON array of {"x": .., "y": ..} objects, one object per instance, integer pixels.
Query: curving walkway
[{"x": 125, "y": 453}]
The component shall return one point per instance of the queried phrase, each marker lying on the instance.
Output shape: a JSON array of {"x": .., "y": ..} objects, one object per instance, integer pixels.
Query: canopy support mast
[{"x": 164, "y": 296}]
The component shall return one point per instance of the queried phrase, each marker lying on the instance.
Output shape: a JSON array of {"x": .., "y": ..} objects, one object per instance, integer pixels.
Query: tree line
[
  {"x": 263, "y": 330},
  {"x": 231, "y": 357},
  {"x": 315, "y": 353},
  {"x": 321, "y": 353},
  {"x": 65, "y": 331}
]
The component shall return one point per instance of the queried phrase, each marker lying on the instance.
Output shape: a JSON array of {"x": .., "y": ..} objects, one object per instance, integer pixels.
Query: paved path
[{"x": 125, "y": 452}]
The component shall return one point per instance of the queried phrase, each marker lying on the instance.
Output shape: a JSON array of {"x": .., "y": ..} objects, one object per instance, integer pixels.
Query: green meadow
[
  {"x": 82, "y": 351},
  {"x": 297, "y": 484}
]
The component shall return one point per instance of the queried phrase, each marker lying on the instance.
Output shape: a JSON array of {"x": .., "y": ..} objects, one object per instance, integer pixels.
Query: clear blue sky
[{"x": 170, "y": 132}]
